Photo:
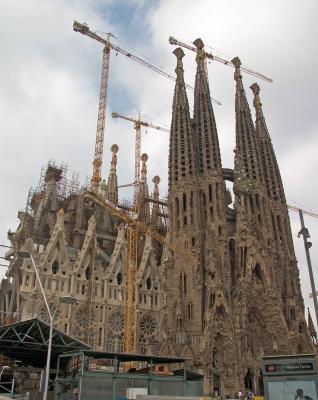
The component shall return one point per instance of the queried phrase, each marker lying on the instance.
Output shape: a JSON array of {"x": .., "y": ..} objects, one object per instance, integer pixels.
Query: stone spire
[
  {"x": 205, "y": 132},
  {"x": 112, "y": 186},
  {"x": 273, "y": 180},
  {"x": 155, "y": 197},
  {"x": 246, "y": 142},
  {"x": 181, "y": 154},
  {"x": 144, "y": 211}
]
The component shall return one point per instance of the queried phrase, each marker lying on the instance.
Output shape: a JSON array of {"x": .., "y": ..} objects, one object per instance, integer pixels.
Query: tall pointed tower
[
  {"x": 285, "y": 273},
  {"x": 198, "y": 313},
  {"x": 183, "y": 315},
  {"x": 258, "y": 300},
  {"x": 213, "y": 256}
]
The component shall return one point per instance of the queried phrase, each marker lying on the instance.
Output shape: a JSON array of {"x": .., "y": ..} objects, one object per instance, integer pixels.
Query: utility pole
[{"x": 305, "y": 233}]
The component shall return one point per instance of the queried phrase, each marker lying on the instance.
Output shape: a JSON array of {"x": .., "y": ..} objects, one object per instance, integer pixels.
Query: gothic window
[
  {"x": 220, "y": 310},
  {"x": 190, "y": 310},
  {"x": 184, "y": 201},
  {"x": 55, "y": 267},
  {"x": 43, "y": 314},
  {"x": 119, "y": 278},
  {"x": 177, "y": 205},
  {"x": 148, "y": 325},
  {"x": 183, "y": 282},
  {"x": 27, "y": 281},
  {"x": 214, "y": 358},
  {"x": 83, "y": 289},
  {"x": 81, "y": 317},
  {"x": 100, "y": 336},
  {"x": 179, "y": 324},
  {"x": 148, "y": 283},
  {"x": 88, "y": 273},
  {"x": 220, "y": 230},
  {"x": 46, "y": 231},
  {"x": 257, "y": 272},
  {"x": 210, "y": 192},
  {"x": 232, "y": 259},
  {"x": 116, "y": 323},
  {"x": 211, "y": 300}
]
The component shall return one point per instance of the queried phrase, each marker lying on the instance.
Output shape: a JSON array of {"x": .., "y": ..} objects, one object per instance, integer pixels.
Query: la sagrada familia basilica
[{"x": 239, "y": 300}]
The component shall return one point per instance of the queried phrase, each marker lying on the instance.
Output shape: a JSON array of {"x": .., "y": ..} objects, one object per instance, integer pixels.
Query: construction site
[{"x": 182, "y": 278}]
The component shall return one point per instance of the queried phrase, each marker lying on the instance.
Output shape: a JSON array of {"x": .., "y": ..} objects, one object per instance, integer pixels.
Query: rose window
[
  {"x": 81, "y": 317},
  {"x": 43, "y": 314},
  {"x": 148, "y": 325},
  {"x": 116, "y": 323}
]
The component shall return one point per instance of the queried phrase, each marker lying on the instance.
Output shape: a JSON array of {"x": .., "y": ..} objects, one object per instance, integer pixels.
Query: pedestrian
[{"x": 250, "y": 395}]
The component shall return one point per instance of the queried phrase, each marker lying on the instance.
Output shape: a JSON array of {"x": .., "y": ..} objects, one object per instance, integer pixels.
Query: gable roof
[{"x": 27, "y": 341}]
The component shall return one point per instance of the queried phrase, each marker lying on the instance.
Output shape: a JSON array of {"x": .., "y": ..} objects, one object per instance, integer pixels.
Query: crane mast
[
  {"x": 176, "y": 42},
  {"x": 116, "y": 211},
  {"x": 134, "y": 227},
  {"x": 138, "y": 123},
  {"x": 100, "y": 131}
]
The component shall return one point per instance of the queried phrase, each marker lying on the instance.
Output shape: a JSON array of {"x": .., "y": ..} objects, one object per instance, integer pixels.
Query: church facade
[{"x": 241, "y": 297}]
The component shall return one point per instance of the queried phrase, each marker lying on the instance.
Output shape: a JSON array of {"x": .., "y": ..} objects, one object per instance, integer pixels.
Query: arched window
[
  {"x": 220, "y": 310},
  {"x": 183, "y": 282},
  {"x": 46, "y": 231},
  {"x": 257, "y": 272},
  {"x": 190, "y": 310},
  {"x": 55, "y": 267},
  {"x": 148, "y": 283},
  {"x": 119, "y": 278},
  {"x": 88, "y": 273}
]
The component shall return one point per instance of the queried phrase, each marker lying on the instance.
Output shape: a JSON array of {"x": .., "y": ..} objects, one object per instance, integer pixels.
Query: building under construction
[{"x": 186, "y": 276}]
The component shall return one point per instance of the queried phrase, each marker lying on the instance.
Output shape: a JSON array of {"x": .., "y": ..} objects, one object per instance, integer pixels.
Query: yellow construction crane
[
  {"x": 309, "y": 213},
  {"x": 138, "y": 123},
  {"x": 210, "y": 56},
  {"x": 98, "y": 156},
  {"x": 134, "y": 227},
  {"x": 84, "y": 29},
  {"x": 100, "y": 131}
]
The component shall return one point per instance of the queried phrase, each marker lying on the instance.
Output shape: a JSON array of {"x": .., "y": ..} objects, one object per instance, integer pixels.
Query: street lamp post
[
  {"x": 64, "y": 299},
  {"x": 305, "y": 233},
  {"x": 2, "y": 369}
]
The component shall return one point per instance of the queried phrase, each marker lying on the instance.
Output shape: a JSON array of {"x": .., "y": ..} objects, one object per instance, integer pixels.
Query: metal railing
[{"x": 6, "y": 389}]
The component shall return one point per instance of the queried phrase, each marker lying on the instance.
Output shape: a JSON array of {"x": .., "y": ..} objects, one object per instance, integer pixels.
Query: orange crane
[
  {"x": 134, "y": 226},
  {"x": 138, "y": 123},
  {"x": 210, "y": 56}
]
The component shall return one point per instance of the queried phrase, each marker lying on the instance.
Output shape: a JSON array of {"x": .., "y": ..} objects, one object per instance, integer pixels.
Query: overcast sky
[{"x": 50, "y": 85}]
